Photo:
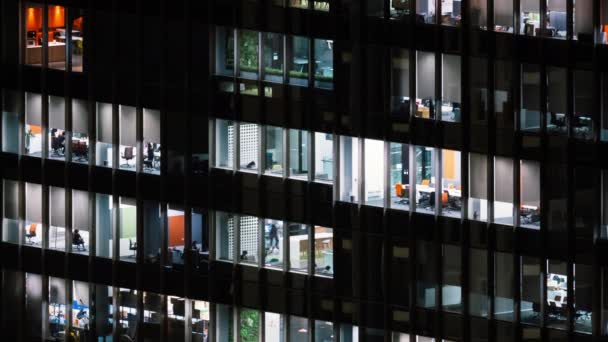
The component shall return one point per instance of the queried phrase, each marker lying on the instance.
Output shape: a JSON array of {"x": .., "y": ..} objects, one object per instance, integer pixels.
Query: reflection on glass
[
  {"x": 530, "y": 290},
  {"x": 248, "y": 54},
  {"x": 374, "y": 172},
  {"x": 324, "y": 162},
  {"x": 298, "y": 247},
  {"x": 224, "y": 228},
  {"x": 249, "y": 144},
  {"x": 427, "y": 275},
  {"x": 530, "y": 97},
  {"x": 399, "y": 176},
  {"x": 127, "y": 313},
  {"x": 324, "y": 331},
  {"x": 224, "y": 143},
  {"x": 152, "y": 232},
  {"x": 324, "y": 251},
  {"x": 298, "y": 154},
  {"x": 224, "y": 323},
  {"x": 503, "y": 16},
  {"x": 324, "y": 63},
  {"x": 273, "y": 151},
  {"x": 479, "y": 11},
  {"x": 298, "y": 329},
  {"x": 299, "y": 65},
  {"x": 478, "y": 280},
  {"x": 450, "y": 88},
  {"x": 425, "y": 84},
  {"x": 425, "y": 179},
  {"x": 583, "y": 288},
  {"x": 273, "y": 57},
  {"x": 273, "y": 243},
  {"x": 400, "y": 83}
]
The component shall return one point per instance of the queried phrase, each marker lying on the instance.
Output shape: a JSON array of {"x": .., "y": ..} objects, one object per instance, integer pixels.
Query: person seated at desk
[{"x": 77, "y": 240}]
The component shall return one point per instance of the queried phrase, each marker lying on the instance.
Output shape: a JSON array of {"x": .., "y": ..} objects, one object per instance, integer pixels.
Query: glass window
[
  {"x": 298, "y": 67},
  {"x": 585, "y": 192},
  {"x": 349, "y": 169},
  {"x": 224, "y": 323},
  {"x": 33, "y": 124},
  {"x": 324, "y": 251},
  {"x": 324, "y": 162},
  {"x": 425, "y": 179},
  {"x": 530, "y": 96},
  {"x": 153, "y": 232},
  {"x": 224, "y": 143},
  {"x": 400, "y": 82},
  {"x": 57, "y": 133},
  {"x": 200, "y": 320},
  {"x": 104, "y": 309},
  {"x": 604, "y": 205},
  {"x": 33, "y": 215},
  {"x": 249, "y": 228},
  {"x": 425, "y": 11},
  {"x": 349, "y": 333},
  {"x": 299, "y": 4},
  {"x": 530, "y": 194},
  {"x": 583, "y": 297},
  {"x": 557, "y": 19},
  {"x": 604, "y": 23},
  {"x": 556, "y": 194},
  {"x": 10, "y": 121},
  {"x": 224, "y": 230},
  {"x": 104, "y": 134},
  {"x": 531, "y": 287},
  {"x": 57, "y": 307},
  {"x": 504, "y": 277},
  {"x": 10, "y": 205},
  {"x": 399, "y": 9},
  {"x": 273, "y": 151},
  {"x": 151, "y": 157},
  {"x": 127, "y": 313},
  {"x": 298, "y": 247},
  {"x": 503, "y": 16},
  {"x": 478, "y": 78},
  {"x": 374, "y": 172},
  {"x": 33, "y": 34},
  {"x": 176, "y": 224},
  {"x": 104, "y": 233},
  {"x": 298, "y": 154},
  {"x": 400, "y": 337},
  {"x": 81, "y": 309},
  {"x": 199, "y": 237},
  {"x": 176, "y": 312},
  {"x": 478, "y": 282},
  {"x": 31, "y": 304},
  {"x": 452, "y": 270},
  {"x": 273, "y": 57},
  {"x": 76, "y": 22},
  {"x": 451, "y": 13},
  {"x": 81, "y": 225},
  {"x": 604, "y": 305},
  {"x": 57, "y": 232},
  {"x": 249, "y": 325},
  {"x": 557, "y": 294},
  {"x": 274, "y": 327},
  {"x": 57, "y": 37},
  {"x": 427, "y": 276},
  {"x": 80, "y": 131},
  {"x": 249, "y": 144},
  {"x": 529, "y": 17},
  {"x": 503, "y": 99},
  {"x": 152, "y": 309},
  {"x": 451, "y": 183},
  {"x": 582, "y": 122},
  {"x": 399, "y": 176},
  {"x": 324, "y": 63},
  {"x": 425, "y": 84},
  {"x": 399, "y": 268},
  {"x": 127, "y": 229},
  {"x": 557, "y": 94},
  {"x": 479, "y": 12},
  {"x": 298, "y": 329},
  {"x": 478, "y": 187},
  {"x": 128, "y": 153},
  {"x": 273, "y": 243},
  {"x": 375, "y": 8},
  {"x": 604, "y": 99},
  {"x": 324, "y": 331},
  {"x": 450, "y": 88},
  {"x": 248, "y": 54},
  {"x": 224, "y": 51},
  {"x": 503, "y": 191}
]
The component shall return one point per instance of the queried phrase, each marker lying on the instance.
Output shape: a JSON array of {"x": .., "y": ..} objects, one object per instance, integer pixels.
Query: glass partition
[
  {"x": 298, "y": 329},
  {"x": 349, "y": 169},
  {"x": 530, "y": 97},
  {"x": 324, "y": 251},
  {"x": 127, "y": 216},
  {"x": 151, "y": 157},
  {"x": 324, "y": 63},
  {"x": 81, "y": 225},
  {"x": 176, "y": 315},
  {"x": 298, "y": 247},
  {"x": 128, "y": 143},
  {"x": 399, "y": 186},
  {"x": 104, "y": 135},
  {"x": 200, "y": 320},
  {"x": 425, "y": 84},
  {"x": 425, "y": 179},
  {"x": 324, "y": 331},
  {"x": 249, "y": 229},
  {"x": 33, "y": 213},
  {"x": 272, "y": 57},
  {"x": 273, "y": 243},
  {"x": 153, "y": 232},
  {"x": 57, "y": 305},
  {"x": 451, "y": 183},
  {"x": 298, "y": 65},
  {"x": 374, "y": 172},
  {"x": 324, "y": 162},
  {"x": 224, "y": 228},
  {"x": 80, "y": 131},
  {"x": 33, "y": 124},
  {"x": 530, "y": 194},
  {"x": 224, "y": 143},
  {"x": 248, "y": 54},
  {"x": 273, "y": 150},
  {"x": 104, "y": 216},
  {"x": 557, "y": 95},
  {"x": 529, "y": 21},
  {"x": 298, "y": 154},
  {"x": 57, "y": 133},
  {"x": 400, "y": 83},
  {"x": 478, "y": 187}
]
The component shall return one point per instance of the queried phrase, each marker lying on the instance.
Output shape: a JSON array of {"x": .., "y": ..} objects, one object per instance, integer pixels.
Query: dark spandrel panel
[{"x": 275, "y": 300}]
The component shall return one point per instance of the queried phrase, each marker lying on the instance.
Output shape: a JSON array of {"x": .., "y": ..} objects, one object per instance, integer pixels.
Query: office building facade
[{"x": 246, "y": 170}]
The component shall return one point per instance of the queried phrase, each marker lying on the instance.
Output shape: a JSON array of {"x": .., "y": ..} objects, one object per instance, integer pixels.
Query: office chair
[
  {"x": 133, "y": 246},
  {"x": 402, "y": 194},
  {"x": 128, "y": 154},
  {"x": 57, "y": 147},
  {"x": 31, "y": 233}
]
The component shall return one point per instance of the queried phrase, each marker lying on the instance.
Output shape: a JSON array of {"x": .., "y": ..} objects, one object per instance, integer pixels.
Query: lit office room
[
  {"x": 451, "y": 288},
  {"x": 374, "y": 171},
  {"x": 450, "y": 88},
  {"x": 425, "y": 85},
  {"x": 503, "y": 191},
  {"x": 80, "y": 131},
  {"x": 530, "y": 194},
  {"x": 451, "y": 12},
  {"x": 10, "y": 121},
  {"x": 451, "y": 183},
  {"x": 57, "y": 308},
  {"x": 128, "y": 151},
  {"x": 399, "y": 8},
  {"x": 503, "y": 16},
  {"x": 127, "y": 250},
  {"x": 81, "y": 225},
  {"x": 54, "y": 43},
  {"x": 80, "y": 308},
  {"x": 323, "y": 156},
  {"x": 530, "y": 98},
  {"x": 478, "y": 13},
  {"x": 273, "y": 150},
  {"x": 176, "y": 226},
  {"x": 249, "y": 144},
  {"x": 530, "y": 17},
  {"x": 33, "y": 215},
  {"x": 478, "y": 187},
  {"x": 127, "y": 313},
  {"x": 557, "y": 26},
  {"x": 399, "y": 176},
  {"x": 298, "y": 153},
  {"x": 298, "y": 247},
  {"x": 273, "y": 243},
  {"x": 349, "y": 169},
  {"x": 224, "y": 143},
  {"x": 324, "y": 251},
  {"x": 249, "y": 237},
  {"x": 400, "y": 83},
  {"x": 33, "y": 124},
  {"x": 151, "y": 159},
  {"x": 104, "y": 223},
  {"x": 57, "y": 231},
  {"x": 425, "y": 179},
  {"x": 104, "y": 135},
  {"x": 56, "y": 130},
  {"x": 425, "y": 11}
]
